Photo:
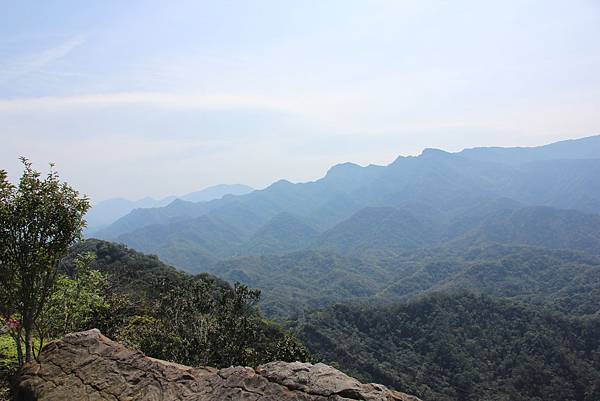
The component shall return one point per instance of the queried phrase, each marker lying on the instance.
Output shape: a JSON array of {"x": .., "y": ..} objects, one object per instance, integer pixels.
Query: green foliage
[
  {"x": 75, "y": 302},
  {"x": 8, "y": 365},
  {"x": 128, "y": 271},
  {"x": 194, "y": 325},
  {"x": 39, "y": 220},
  {"x": 8, "y": 352},
  {"x": 194, "y": 320},
  {"x": 462, "y": 347},
  {"x": 153, "y": 337}
]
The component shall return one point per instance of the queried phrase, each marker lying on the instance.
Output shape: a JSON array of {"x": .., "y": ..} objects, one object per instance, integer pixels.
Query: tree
[
  {"x": 199, "y": 321},
  {"x": 39, "y": 220},
  {"x": 75, "y": 302}
]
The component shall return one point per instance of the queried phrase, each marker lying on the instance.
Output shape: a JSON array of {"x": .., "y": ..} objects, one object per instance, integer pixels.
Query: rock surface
[{"x": 89, "y": 366}]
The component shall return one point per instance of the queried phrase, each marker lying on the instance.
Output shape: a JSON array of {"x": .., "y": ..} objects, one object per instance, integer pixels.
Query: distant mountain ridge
[
  {"x": 431, "y": 200},
  {"x": 584, "y": 148},
  {"x": 108, "y": 211}
]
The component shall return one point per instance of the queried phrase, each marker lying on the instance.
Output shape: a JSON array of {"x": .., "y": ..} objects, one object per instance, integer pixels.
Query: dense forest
[
  {"x": 462, "y": 347},
  {"x": 194, "y": 320},
  {"x": 568, "y": 281},
  {"x": 517, "y": 344}
]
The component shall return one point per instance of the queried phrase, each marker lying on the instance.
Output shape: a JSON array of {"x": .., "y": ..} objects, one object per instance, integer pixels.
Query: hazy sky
[{"x": 135, "y": 98}]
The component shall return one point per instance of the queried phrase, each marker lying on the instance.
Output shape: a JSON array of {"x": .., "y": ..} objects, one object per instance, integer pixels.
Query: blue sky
[{"x": 156, "y": 98}]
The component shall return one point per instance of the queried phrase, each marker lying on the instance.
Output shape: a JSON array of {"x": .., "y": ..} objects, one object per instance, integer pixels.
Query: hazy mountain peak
[
  {"x": 280, "y": 184},
  {"x": 108, "y": 211},
  {"x": 433, "y": 152},
  {"x": 217, "y": 192},
  {"x": 178, "y": 202},
  {"x": 342, "y": 167}
]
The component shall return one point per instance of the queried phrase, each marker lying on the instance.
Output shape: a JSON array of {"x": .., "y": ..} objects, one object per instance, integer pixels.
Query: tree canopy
[{"x": 40, "y": 218}]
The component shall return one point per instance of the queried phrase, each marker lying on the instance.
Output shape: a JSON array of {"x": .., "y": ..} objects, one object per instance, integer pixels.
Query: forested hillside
[
  {"x": 568, "y": 281},
  {"x": 295, "y": 281},
  {"x": 196, "y": 320},
  {"x": 462, "y": 347},
  {"x": 198, "y": 244}
]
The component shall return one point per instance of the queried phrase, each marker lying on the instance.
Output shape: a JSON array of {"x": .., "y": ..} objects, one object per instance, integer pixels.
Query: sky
[{"x": 156, "y": 98}]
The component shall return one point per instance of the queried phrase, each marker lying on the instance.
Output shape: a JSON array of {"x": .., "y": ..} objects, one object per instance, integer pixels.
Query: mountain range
[
  {"x": 108, "y": 211},
  {"x": 546, "y": 196}
]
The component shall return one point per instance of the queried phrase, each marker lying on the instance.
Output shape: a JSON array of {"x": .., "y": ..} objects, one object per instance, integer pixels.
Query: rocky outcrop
[{"x": 89, "y": 366}]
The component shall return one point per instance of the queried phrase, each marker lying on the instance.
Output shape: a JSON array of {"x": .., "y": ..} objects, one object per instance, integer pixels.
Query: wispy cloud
[
  {"x": 31, "y": 63},
  {"x": 162, "y": 100}
]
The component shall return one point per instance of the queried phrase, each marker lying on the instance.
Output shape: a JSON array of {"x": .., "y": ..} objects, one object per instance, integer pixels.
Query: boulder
[{"x": 89, "y": 366}]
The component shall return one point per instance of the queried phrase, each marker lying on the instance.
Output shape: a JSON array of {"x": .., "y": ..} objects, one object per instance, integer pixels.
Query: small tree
[
  {"x": 74, "y": 303},
  {"x": 39, "y": 219}
]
